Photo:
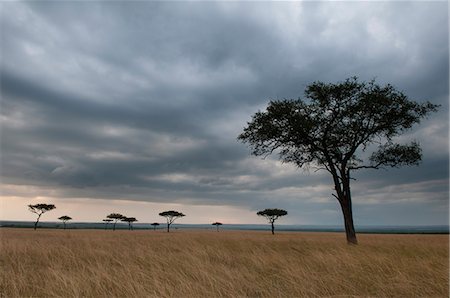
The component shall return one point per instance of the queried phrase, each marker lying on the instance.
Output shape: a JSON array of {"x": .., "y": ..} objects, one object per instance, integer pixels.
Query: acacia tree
[
  {"x": 272, "y": 215},
  {"x": 333, "y": 125},
  {"x": 64, "y": 219},
  {"x": 217, "y": 224},
  {"x": 107, "y": 221},
  {"x": 130, "y": 221},
  {"x": 155, "y": 224},
  {"x": 116, "y": 217},
  {"x": 170, "y": 217},
  {"x": 40, "y": 209}
]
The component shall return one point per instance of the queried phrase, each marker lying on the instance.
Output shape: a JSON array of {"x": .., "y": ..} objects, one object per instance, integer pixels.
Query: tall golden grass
[{"x": 95, "y": 263}]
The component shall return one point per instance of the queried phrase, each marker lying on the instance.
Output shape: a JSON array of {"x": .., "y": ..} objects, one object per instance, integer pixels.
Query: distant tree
[
  {"x": 40, "y": 209},
  {"x": 155, "y": 224},
  {"x": 116, "y": 217},
  {"x": 331, "y": 128},
  {"x": 272, "y": 215},
  {"x": 107, "y": 221},
  {"x": 170, "y": 217},
  {"x": 64, "y": 219},
  {"x": 217, "y": 224},
  {"x": 130, "y": 221}
]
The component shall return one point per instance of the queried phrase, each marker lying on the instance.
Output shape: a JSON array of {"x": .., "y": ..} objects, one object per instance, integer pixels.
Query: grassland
[{"x": 95, "y": 263}]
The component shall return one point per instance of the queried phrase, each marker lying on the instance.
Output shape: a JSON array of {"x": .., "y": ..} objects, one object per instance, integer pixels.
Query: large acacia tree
[{"x": 333, "y": 125}]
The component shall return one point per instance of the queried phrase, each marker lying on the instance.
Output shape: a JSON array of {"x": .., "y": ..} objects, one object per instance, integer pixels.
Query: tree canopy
[
  {"x": 40, "y": 209},
  {"x": 272, "y": 214},
  {"x": 332, "y": 125}
]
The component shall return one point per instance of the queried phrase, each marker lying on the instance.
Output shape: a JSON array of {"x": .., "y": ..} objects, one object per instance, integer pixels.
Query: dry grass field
[{"x": 96, "y": 263}]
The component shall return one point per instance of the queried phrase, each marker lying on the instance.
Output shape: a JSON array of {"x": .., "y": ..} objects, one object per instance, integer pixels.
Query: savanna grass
[{"x": 98, "y": 263}]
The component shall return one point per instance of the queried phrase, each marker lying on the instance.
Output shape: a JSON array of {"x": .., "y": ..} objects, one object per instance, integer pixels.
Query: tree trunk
[
  {"x": 343, "y": 195},
  {"x": 168, "y": 228},
  {"x": 64, "y": 225},
  {"x": 346, "y": 206},
  {"x": 36, "y": 223},
  {"x": 217, "y": 226},
  {"x": 273, "y": 229},
  {"x": 114, "y": 226}
]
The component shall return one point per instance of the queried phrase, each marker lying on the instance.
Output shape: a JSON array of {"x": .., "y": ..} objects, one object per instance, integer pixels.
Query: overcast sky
[{"x": 134, "y": 107}]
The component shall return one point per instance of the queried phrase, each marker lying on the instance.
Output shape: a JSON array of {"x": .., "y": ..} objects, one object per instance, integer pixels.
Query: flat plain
[{"x": 191, "y": 263}]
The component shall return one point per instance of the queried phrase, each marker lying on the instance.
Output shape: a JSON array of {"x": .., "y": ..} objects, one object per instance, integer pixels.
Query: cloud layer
[{"x": 143, "y": 101}]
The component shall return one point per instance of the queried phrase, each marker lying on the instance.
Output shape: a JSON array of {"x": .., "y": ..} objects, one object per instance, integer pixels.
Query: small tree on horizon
[
  {"x": 40, "y": 209},
  {"x": 107, "y": 221},
  {"x": 170, "y": 217},
  {"x": 272, "y": 215},
  {"x": 155, "y": 224},
  {"x": 116, "y": 217},
  {"x": 130, "y": 221},
  {"x": 64, "y": 219},
  {"x": 217, "y": 224}
]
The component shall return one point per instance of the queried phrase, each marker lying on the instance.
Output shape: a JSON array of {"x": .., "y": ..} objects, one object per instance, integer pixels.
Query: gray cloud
[{"x": 144, "y": 101}]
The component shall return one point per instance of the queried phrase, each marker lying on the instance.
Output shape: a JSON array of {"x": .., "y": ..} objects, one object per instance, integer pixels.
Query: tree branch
[{"x": 376, "y": 167}]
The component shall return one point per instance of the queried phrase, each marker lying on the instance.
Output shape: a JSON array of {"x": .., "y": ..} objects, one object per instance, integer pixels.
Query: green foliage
[
  {"x": 65, "y": 218},
  {"x": 115, "y": 216},
  {"x": 41, "y": 208},
  {"x": 396, "y": 155},
  {"x": 272, "y": 214},
  {"x": 171, "y": 215},
  {"x": 333, "y": 121}
]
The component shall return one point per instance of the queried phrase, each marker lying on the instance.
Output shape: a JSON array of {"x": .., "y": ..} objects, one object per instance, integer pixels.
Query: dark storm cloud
[{"x": 144, "y": 100}]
